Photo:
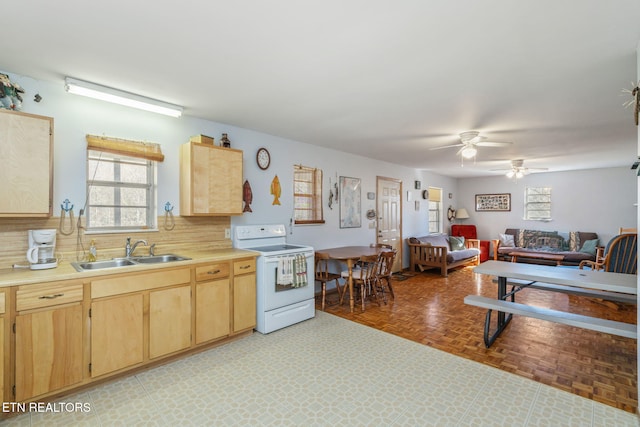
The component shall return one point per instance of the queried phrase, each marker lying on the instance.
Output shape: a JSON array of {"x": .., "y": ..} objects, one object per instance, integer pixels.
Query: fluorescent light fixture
[{"x": 116, "y": 96}]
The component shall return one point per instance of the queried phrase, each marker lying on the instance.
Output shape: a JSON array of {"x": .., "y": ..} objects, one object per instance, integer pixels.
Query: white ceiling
[{"x": 384, "y": 79}]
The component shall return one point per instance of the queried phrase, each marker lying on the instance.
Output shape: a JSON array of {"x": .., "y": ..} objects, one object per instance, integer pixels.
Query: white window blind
[{"x": 537, "y": 203}]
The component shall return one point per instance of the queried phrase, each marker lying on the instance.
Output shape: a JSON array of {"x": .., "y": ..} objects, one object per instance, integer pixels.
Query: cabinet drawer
[
  {"x": 47, "y": 295},
  {"x": 139, "y": 282},
  {"x": 244, "y": 266},
  {"x": 212, "y": 271}
]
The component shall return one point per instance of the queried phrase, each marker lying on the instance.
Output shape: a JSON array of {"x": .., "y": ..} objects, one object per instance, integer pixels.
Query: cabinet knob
[{"x": 213, "y": 272}]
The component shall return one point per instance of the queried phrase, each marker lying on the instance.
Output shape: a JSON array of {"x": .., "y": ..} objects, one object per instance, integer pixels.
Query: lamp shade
[{"x": 462, "y": 213}]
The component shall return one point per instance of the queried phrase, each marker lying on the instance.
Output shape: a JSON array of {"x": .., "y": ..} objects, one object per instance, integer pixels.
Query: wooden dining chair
[
  {"x": 365, "y": 278},
  {"x": 387, "y": 259},
  {"x": 323, "y": 275},
  {"x": 384, "y": 246}
]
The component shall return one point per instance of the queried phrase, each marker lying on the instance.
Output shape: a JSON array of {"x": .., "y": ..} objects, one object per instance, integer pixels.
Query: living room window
[
  {"x": 435, "y": 210},
  {"x": 537, "y": 203},
  {"x": 307, "y": 195}
]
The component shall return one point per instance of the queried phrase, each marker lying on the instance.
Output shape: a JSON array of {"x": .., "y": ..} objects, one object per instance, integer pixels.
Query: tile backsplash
[{"x": 188, "y": 232}]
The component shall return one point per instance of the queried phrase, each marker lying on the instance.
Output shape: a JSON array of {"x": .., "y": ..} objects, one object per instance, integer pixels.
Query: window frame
[
  {"x": 435, "y": 206},
  {"x": 150, "y": 188},
  {"x": 317, "y": 214},
  {"x": 528, "y": 203}
]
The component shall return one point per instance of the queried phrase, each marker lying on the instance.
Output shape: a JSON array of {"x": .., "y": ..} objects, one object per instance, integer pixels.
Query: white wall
[
  {"x": 76, "y": 116},
  {"x": 598, "y": 200}
]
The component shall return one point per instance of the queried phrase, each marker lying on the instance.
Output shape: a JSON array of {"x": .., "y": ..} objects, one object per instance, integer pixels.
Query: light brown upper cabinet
[
  {"x": 26, "y": 165},
  {"x": 210, "y": 180}
]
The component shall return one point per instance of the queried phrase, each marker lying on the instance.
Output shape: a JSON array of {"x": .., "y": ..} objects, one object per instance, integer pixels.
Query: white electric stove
[{"x": 277, "y": 305}]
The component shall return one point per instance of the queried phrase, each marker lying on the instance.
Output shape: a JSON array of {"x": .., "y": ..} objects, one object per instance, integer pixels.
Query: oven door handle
[{"x": 274, "y": 259}]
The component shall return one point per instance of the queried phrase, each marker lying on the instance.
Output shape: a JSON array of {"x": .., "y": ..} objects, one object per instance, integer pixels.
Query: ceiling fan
[
  {"x": 518, "y": 170},
  {"x": 469, "y": 141}
]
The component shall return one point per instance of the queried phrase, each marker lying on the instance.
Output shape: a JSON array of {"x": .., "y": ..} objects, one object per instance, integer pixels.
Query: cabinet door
[
  {"x": 169, "y": 320},
  {"x": 2, "y": 355},
  {"x": 116, "y": 333},
  {"x": 48, "y": 351},
  {"x": 244, "y": 302},
  {"x": 26, "y": 164},
  {"x": 212, "y": 310},
  {"x": 211, "y": 180}
]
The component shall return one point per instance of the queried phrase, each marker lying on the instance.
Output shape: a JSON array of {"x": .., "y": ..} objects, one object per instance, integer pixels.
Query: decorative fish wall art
[
  {"x": 276, "y": 190},
  {"x": 247, "y": 196}
]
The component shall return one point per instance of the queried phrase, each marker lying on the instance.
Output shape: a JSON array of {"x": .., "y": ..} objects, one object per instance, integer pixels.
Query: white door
[{"x": 389, "y": 209}]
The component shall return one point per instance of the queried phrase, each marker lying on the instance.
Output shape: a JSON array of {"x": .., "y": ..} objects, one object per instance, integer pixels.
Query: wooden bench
[
  {"x": 423, "y": 256},
  {"x": 572, "y": 290},
  {"x": 586, "y": 322}
]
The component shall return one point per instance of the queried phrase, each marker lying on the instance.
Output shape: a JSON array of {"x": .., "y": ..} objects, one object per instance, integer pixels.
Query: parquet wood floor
[{"x": 429, "y": 309}]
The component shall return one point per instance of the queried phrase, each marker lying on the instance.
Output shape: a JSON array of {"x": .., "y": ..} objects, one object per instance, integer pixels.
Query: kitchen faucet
[{"x": 129, "y": 248}]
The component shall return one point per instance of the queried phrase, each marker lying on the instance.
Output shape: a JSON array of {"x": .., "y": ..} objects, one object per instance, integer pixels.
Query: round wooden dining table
[{"x": 349, "y": 255}]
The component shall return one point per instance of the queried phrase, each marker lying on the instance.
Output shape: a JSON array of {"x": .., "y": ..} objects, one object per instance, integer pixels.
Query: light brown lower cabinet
[
  {"x": 212, "y": 310},
  {"x": 4, "y": 345},
  {"x": 244, "y": 295},
  {"x": 74, "y": 331},
  {"x": 169, "y": 321},
  {"x": 2, "y": 358},
  {"x": 48, "y": 350},
  {"x": 116, "y": 333}
]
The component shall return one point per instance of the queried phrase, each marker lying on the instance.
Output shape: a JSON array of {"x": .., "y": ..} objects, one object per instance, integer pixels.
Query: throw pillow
[
  {"x": 507, "y": 240},
  {"x": 574, "y": 241},
  {"x": 456, "y": 243},
  {"x": 521, "y": 242},
  {"x": 589, "y": 247}
]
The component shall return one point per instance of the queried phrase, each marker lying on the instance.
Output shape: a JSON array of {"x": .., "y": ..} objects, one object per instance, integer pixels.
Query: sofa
[
  {"x": 575, "y": 246},
  {"x": 442, "y": 252},
  {"x": 469, "y": 232}
]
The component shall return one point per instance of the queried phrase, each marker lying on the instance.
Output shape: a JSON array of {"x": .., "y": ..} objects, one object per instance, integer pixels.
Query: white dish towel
[{"x": 284, "y": 274}]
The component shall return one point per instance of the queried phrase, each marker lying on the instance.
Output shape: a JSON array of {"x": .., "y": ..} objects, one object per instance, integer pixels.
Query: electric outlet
[{"x": 227, "y": 233}]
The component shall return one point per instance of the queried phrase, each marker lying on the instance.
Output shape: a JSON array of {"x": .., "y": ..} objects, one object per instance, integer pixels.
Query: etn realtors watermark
[{"x": 52, "y": 407}]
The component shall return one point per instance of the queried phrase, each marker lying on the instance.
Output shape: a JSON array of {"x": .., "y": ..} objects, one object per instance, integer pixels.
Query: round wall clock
[{"x": 263, "y": 158}]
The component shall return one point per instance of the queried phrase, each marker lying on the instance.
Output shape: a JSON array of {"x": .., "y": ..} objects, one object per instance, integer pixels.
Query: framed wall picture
[
  {"x": 493, "y": 202},
  {"x": 350, "y": 202}
]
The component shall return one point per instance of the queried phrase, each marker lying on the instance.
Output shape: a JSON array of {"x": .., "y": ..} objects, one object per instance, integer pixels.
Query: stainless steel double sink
[{"x": 123, "y": 262}]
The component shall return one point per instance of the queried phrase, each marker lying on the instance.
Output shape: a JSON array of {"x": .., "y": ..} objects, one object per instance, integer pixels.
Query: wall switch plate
[{"x": 227, "y": 233}]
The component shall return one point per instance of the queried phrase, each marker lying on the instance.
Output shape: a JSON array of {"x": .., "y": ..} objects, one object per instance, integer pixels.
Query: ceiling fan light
[
  {"x": 510, "y": 174},
  {"x": 519, "y": 174},
  {"x": 469, "y": 152}
]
